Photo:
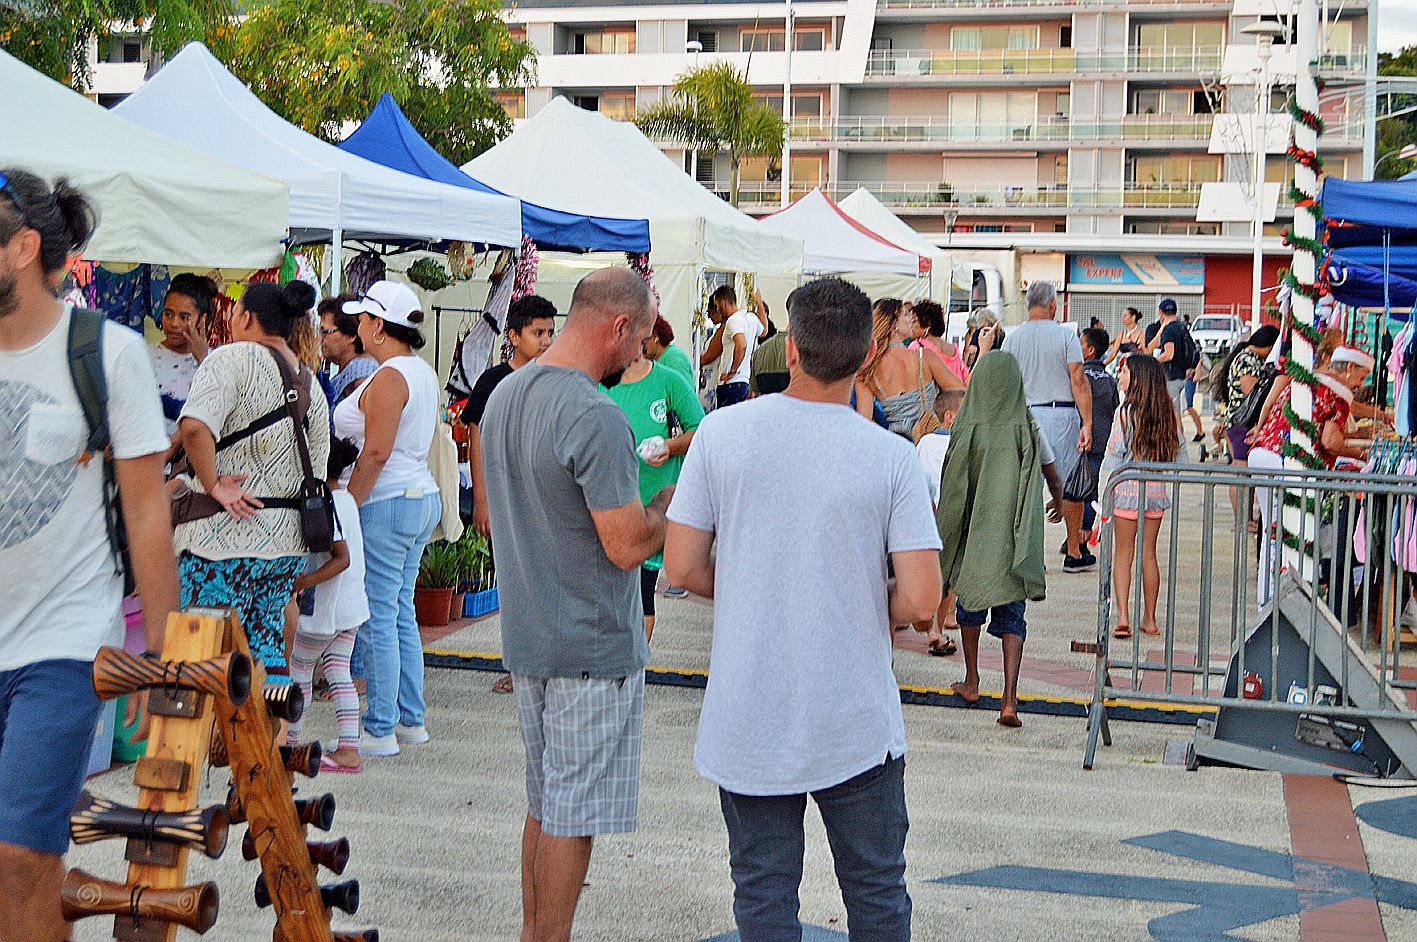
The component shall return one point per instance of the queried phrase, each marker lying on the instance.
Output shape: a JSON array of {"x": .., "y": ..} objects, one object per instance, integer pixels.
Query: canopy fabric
[
  {"x": 586, "y": 163},
  {"x": 158, "y": 201},
  {"x": 834, "y": 242},
  {"x": 1361, "y": 285},
  {"x": 863, "y": 206},
  {"x": 387, "y": 137},
  {"x": 196, "y": 100},
  {"x": 1390, "y": 204}
]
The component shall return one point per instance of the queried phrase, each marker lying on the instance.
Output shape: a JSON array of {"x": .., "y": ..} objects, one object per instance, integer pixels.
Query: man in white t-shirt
[
  {"x": 61, "y": 598},
  {"x": 801, "y": 698},
  {"x": 732, "y": 347}
]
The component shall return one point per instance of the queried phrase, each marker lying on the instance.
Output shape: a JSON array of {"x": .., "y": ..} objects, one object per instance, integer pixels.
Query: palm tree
[{"x": 712, "y": 109}]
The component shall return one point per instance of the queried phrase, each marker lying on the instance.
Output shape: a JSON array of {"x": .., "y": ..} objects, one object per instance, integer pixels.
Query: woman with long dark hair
[
  {"x": 246, "y": 556},
  {"x": 1231, "y": 383},
  {"x": 1146, "y": 429},
  {"x": 929, "y": 332},
  {"x": 903, "y": 381},
  {"x": 1132, "y": 333}
]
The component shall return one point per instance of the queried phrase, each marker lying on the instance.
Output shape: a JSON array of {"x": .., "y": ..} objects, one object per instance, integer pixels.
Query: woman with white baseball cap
[
  {"x": 1339, "y": 379},
  {"x": 391, "y": 417}
]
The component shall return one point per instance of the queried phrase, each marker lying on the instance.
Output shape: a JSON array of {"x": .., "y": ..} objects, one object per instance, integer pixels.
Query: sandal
[
  {"x": 503, "y": 684},
  {"x": 1122, "y": 631},
  {"x": 1151, "y": 631},
  {"x": 330, "y": 765},
  {"x": 945, "y": 649}
]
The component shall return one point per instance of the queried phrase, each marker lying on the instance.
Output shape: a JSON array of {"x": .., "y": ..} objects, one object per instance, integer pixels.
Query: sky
[{"x": 1397, "y": 24}]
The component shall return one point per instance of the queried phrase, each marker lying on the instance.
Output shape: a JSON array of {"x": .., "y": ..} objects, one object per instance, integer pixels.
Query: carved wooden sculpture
[
  {"x": 342, "y": 896},
  {"x": 96, "y": 819},
  {"x": 116, "y": 672},
  {"x": 285, "y": 701},
  {"x": 363, "y": 935},
  {"x": 86, "y": 895},
  {"x": 332, "y": 855},
  {"x": 303, "y": 759},
  {"x": 316, "y": 812}
]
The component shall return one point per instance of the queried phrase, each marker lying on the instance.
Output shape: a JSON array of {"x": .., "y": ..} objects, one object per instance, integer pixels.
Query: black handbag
[
  {"x": 1247, "y": 413},
  {"x": 316, "y": 505},
  {"x": 1082, "y": 483}
]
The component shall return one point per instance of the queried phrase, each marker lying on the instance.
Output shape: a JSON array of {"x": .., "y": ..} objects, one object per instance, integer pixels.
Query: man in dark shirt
[
  {"x": 1171, "y": 346},
  {"x": 1105, "y": 399}
]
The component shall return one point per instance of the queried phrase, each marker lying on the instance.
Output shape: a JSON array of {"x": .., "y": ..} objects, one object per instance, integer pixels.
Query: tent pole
[{"x": 336, "y": 259}]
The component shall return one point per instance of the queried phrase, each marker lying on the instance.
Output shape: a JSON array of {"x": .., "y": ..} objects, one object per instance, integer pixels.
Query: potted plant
[
  {"x": 437, "y": 578},
  {"x": 481, "y": 576}
]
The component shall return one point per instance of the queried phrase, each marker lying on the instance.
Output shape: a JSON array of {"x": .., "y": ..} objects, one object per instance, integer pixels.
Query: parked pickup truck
[{"x": 1214, "y": 333}]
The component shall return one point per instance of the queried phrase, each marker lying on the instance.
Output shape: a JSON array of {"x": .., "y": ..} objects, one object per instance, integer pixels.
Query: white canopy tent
[
  {"x": 334, "y": 195},
  {"x": 834, "y": 242},
  {"x": 584, "y": 162},
  {"x": 158, "y": 201},
  {"x": 863, "y": 206}
]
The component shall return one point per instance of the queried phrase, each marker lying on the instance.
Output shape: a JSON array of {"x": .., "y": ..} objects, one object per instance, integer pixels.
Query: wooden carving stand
[{"x": 188, "y": 725}]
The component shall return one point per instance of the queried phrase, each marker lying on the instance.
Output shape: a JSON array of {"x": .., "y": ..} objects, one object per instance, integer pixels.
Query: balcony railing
[
  {"x": 946, "y": 62},
  {"x": 1181, "y": 196},
  {"x": 1007, "y": 4},
  {"x": 939, "y": 129}
]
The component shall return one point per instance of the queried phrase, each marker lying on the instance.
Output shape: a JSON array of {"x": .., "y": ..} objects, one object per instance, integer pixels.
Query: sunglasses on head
[{"x": 11, "y": 195}]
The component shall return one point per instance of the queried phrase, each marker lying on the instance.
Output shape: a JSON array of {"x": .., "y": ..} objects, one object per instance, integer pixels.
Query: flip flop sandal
[
  {"x": 330, "y": 765},
  {"x": 504, "y": 685},
  {"x": 1122, "y": 631},
  {"x": 946, "y": 648}
]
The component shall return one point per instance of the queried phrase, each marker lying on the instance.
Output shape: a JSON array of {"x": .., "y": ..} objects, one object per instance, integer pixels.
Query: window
[
  {"x": 992, "y": 115},
  {"x": 1064, "y": 105},
  {"x": 708, "y": 38},
  {"x": 513, "y": 103},
  {"x": 588, "y": 102},
  {"x": 1164, "y": 170},
  {"x": 132, "y": 52},
  {"x": 1201, "y": 103},
  {"x": 809, "y": 39},
  {"x": 1065, "y": 36},
  {"x": 619, "y": 41},
  {"x": 993, "y": 38},
  {"x": 1170, "y": 101},
  {"x": 618, "y": 105},
  {"x": 1167, "y": 227},
  {"x": 804, "y": 105},
  {"x": 881, "y": 43},
  {"x": 1159, "y": 36}
]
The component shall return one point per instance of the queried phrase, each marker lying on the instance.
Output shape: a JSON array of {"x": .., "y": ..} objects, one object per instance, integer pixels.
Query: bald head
[{"x": 608, "y": 293}]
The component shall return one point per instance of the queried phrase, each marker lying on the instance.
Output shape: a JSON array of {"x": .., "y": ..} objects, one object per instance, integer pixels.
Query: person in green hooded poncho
[{"x": 990, "y": 518}]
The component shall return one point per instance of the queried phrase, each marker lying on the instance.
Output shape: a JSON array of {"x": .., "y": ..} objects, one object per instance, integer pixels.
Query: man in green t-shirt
[{"x": 660, "y": 406}]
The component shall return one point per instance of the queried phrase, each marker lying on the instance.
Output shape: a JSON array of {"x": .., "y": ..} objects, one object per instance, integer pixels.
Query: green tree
[
  {"x": 1396, "y": 133},
  {"x": 53, "y": 36},
  {"x": 323, "y": 65},
  {"x": 712, "y": 108}
]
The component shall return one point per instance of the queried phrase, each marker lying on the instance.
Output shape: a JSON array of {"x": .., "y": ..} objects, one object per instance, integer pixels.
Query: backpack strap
[{"x": 91, "y": 384}]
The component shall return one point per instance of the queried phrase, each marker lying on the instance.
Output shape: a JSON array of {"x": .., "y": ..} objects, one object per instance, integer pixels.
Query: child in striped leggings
[{"x": 333, "y": 606}]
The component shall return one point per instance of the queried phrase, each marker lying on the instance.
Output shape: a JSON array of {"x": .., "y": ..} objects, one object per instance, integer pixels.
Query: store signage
[{"x": 1144, "y": 271}]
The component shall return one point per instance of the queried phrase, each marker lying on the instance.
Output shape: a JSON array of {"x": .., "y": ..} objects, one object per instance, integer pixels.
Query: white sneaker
[
  {"x": 378, "y": 745},
  {"x": 411, "y": 735}
]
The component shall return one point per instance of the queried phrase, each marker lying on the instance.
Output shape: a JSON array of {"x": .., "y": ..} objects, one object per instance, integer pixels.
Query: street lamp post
[
  {"x": 787, "y": 110},
  {"x": 695, "y": 47},
  {"x": 1265, "y": 32}
]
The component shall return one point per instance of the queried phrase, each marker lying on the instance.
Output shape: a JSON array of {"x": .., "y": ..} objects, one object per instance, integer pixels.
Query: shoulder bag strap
[
  {"x": 296, "y": 407},
  {"x": 920, "y": 377}
]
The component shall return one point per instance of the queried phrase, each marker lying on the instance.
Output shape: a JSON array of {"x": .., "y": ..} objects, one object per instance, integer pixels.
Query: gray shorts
[
  {"x": 582, "y": 738},
  {"x": 1176, "y": 389},
  {"x": 1060, "y": 425}
]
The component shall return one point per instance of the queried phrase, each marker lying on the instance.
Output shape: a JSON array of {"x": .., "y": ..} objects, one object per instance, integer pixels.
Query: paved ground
[{"x": 1010, "y": 838}]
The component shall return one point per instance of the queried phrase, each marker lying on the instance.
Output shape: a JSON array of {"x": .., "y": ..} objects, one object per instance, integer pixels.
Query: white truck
[{"x": 1216, "y": 333}]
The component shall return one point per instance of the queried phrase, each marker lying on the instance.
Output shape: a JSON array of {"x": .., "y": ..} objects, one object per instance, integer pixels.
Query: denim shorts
[
  {"x": 1006, "y": 619},
  {"x": 48, "y": 713}
]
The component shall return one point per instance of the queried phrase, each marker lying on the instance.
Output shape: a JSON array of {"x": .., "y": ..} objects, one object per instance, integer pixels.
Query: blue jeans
[
  {"x": 1006, "y": 619},
  {"x": 395, "y": 532},
  {"x": 866, "y": 824},
  {"x": 730, "y": 394}
]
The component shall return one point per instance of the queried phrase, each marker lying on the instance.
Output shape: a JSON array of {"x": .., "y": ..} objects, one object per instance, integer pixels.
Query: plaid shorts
[{"x": 582, "y": 739}]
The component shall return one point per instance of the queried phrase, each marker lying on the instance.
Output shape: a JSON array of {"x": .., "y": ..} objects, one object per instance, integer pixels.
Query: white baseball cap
[{"x": 387, "y": 300}]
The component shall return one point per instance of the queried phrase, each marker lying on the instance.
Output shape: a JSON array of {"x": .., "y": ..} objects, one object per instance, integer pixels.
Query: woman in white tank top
[{"x": 391, "y": 417}]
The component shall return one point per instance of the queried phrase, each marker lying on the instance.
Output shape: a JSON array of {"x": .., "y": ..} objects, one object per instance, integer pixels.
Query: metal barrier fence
[{"x": 1313, "y": 680}]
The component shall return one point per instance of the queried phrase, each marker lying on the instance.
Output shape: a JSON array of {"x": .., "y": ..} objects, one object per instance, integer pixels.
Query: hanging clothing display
[
  {"x": 130, "y": 297},
  {"x": 362, "y": 271}
]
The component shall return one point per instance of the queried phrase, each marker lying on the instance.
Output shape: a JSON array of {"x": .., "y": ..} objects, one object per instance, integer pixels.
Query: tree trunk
[{"x": 733, "y": 160}]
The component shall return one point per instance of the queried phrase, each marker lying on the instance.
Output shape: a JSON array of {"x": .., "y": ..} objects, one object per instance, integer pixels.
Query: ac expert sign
[{"x": 1139, "y": 271}]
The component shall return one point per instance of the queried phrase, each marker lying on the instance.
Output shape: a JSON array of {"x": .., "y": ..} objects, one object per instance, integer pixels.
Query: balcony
[
  {"x": 850, "y": 129},
  {"x": 924, "y": 63},
  {"x": 1050, "y": 199},
  {"x": 988, "y": 5}
]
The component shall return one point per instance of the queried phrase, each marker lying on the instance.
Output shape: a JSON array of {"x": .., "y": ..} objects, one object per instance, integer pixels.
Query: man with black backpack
[
  {"x": 1176, "y": 350},
  {"x": 80, "y": 426}
]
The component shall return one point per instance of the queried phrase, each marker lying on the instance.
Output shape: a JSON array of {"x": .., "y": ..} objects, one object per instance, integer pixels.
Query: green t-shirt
[
  {"x": 677, "y": 360},
  {"x": 647, "y": 405}
]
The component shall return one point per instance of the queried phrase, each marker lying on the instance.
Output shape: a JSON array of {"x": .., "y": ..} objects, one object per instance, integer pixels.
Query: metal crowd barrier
[{"x": 1315, "y": 680}]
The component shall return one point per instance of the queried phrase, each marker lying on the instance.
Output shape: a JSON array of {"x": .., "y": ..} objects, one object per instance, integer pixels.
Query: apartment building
[
  {"x": 1061, "y": 135},
  {"x": 1065, "y": 140}
]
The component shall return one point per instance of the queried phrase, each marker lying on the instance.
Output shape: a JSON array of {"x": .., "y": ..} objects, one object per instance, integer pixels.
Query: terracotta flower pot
[
  {"x": 455, "y": 610},
  {"x": 433, "y": 606}
]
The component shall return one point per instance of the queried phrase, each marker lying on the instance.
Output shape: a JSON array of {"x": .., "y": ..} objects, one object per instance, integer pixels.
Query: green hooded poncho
[{"x": 990, "y": 513}]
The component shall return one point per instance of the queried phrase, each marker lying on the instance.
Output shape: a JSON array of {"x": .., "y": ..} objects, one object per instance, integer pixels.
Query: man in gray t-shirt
[
  {"x": 570, "y": 534},
  {"x": 1050, "y": 358}
]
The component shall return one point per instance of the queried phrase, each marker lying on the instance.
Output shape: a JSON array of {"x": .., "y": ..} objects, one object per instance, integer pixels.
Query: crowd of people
[{"x": 935, "y": 464}]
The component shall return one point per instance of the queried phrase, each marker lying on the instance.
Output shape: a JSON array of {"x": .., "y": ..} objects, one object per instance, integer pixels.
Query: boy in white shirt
[
  {"x": 932, "y": 450},
  {"x": 333, "y": 605}
]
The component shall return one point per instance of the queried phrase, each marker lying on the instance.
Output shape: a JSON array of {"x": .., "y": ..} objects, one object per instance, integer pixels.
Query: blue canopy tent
[
  {"x": 1371, "y": 241},
  {"x": 386, "y": 137}
]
